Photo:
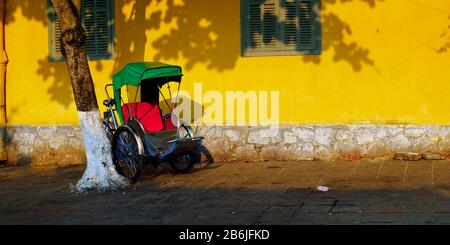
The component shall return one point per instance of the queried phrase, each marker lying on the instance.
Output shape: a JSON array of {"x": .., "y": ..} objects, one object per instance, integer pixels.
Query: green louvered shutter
[
  {"x": 97, "y": 17},
  {"x": 255, "y": 27},
  {"x": 261, "y": 28},
  {"x": 306, "y": 36},
  {"x": 269, "y": 29},
  {"x": 301, "y": 25},
  {"x": 54, "y": 33},
  {"x": 291, "y": 24},
  {"x": 280, "y": 27}
]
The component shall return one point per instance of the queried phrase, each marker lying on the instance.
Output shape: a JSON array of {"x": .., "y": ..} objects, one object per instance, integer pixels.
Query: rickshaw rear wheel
[
  {"x": 182, "y": 164},
  {"x": 126, "y": 157}
]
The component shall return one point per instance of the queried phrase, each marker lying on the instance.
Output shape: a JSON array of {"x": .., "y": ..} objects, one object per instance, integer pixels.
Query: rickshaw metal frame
[{"x": 146, "y": 149}]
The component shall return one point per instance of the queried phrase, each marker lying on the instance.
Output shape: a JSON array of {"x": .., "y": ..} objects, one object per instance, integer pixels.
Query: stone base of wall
[
  {"x": 60, "y": 145},
  {"x": 324, "y": 142},
  {"x": 63, "y": 144}
]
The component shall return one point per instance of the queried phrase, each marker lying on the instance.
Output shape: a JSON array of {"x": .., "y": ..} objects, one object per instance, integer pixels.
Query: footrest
[{"x": 184, "y": 140}]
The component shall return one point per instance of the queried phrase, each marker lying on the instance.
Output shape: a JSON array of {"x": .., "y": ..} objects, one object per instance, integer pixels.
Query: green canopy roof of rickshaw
[{"x": 133, "y": 73}]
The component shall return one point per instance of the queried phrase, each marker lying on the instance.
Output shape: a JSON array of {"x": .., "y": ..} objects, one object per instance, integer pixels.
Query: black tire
[
  {"x": 110, "y": 135},
  {"x": 182, "y": 164},
  {"x": 126, "y": 157}
]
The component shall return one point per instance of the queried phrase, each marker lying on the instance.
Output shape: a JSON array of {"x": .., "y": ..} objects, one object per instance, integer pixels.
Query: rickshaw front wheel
[{"x": 125, "y": 151}]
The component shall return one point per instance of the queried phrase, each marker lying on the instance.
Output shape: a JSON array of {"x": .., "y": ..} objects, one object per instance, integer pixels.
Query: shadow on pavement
[{"x": 228, "y": 194}]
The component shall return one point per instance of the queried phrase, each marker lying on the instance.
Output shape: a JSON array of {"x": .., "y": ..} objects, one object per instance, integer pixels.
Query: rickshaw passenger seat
[
  {"x": 148, "y": 114},
  {"x": 168, "y": 124}
]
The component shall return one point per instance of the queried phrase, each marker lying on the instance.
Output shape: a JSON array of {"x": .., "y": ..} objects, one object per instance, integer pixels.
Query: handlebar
[
  {"x": 109, "y": 102},
  {"x": 106, "y": 91}
]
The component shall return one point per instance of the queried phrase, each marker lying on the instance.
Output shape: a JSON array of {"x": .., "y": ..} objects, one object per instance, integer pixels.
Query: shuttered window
[
  {"x": 280, "y": 27},
  {"x": 97, "y": 18},
  {"x": 53, "y": 35}
]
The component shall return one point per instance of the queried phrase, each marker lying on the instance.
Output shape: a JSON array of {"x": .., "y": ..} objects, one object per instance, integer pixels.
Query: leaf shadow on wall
[
  {"x": 132, "y": 39},
  {"x": 60, "y": 89},
  {"x": 210, "y": 38},
  {"x": 446, "y": 36}
]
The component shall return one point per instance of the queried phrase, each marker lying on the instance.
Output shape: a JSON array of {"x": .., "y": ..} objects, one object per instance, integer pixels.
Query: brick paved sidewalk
[{"x": 391, "y": 192}]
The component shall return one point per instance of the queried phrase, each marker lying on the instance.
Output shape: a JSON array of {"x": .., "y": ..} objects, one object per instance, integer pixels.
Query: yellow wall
[{"x": 382, "y": 62}]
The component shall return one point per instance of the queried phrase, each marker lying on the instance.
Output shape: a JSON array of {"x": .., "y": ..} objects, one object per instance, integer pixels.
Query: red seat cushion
[
  {"x": 148, "y": 114},
  {"x": 168, "y": 124}
]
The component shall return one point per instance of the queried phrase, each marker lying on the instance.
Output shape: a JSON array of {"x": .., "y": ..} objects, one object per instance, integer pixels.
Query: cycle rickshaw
[{"x": 139, "y": 131}]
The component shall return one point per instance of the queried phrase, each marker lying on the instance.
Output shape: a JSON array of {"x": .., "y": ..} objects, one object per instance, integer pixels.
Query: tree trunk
[{"x": 100, "y": 173}]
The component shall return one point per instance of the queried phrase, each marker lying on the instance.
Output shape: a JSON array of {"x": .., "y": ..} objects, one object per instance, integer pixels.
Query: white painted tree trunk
[{"x": 100, "y": 173}]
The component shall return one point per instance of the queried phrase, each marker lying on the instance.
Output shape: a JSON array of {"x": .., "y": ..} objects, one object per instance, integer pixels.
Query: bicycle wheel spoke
[{"x": 126, "y": 154}]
